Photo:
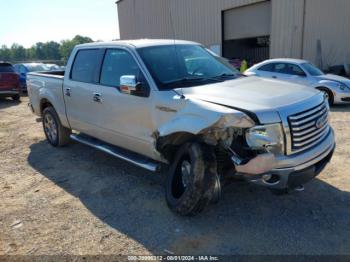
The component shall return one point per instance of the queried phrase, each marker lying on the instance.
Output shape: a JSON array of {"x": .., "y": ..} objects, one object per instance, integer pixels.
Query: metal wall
[
  {"x": 328, "y": 21},
  {"x": 296, "y": 25},
  {"x": 196, "y": 20}
]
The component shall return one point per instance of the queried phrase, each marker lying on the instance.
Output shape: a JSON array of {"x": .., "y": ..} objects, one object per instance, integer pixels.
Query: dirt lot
[{"x": 76, "y": 200}]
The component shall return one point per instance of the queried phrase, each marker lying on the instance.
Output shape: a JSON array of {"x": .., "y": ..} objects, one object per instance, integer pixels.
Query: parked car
[
  {"x": 23, "y": 69},
  {"x": 9, "y": 81},
  {"x": 336, "y": 88},
  {"x": 53, "y": 67},
  {"x": 145, "y": 101}
]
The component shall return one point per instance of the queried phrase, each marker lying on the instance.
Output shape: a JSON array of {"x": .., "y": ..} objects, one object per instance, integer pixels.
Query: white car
[{"x": 302, "y": 72}]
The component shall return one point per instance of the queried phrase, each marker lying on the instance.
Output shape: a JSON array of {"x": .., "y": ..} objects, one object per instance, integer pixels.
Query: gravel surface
[{"x": 77, "y": 200}]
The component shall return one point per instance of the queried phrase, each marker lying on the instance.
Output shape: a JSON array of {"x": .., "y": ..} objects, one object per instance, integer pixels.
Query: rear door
[{"x": 82, "y": 91}]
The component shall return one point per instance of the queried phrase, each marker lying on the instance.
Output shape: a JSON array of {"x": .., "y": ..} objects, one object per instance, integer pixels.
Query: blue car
[{"x": 23, "y": 69}]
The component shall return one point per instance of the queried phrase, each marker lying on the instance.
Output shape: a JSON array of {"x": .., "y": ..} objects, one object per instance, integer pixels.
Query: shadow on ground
[
  {"x": 7, "y": 102},
  {"x": 248, "y": 220},
  {"x": 341, "y": 108}
]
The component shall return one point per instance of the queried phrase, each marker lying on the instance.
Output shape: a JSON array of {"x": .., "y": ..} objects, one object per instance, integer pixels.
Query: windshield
[
  {"x": 185, "y": 65},
  {"x": 36, "y": 68},
  {"x": 312, "y": 70}
]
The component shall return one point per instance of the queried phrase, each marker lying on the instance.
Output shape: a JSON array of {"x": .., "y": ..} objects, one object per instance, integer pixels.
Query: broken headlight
[{"x": 266, "y": 137}]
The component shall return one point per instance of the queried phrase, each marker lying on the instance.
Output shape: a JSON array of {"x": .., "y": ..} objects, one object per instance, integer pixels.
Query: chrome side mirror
[{"x": 128, "y": 84}]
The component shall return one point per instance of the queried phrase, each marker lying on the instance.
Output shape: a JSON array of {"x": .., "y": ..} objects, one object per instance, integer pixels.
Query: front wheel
[
  {"x": 56, "y": 134},
  {"x": 191, "y": 179}
]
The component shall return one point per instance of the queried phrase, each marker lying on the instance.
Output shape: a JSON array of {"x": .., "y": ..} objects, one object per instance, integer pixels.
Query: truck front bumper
[{"x": 294, "y": 170}]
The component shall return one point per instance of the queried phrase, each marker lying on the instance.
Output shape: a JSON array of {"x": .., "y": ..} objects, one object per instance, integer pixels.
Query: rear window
[
  {"x": 6, "y": 68},
  {"x": 85, "y": 65}
]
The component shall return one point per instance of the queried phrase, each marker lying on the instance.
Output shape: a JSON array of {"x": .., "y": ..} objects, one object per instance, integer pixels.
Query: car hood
[
  {"x": 262, "y": 97},
  {"x": 336, "y": 78}
]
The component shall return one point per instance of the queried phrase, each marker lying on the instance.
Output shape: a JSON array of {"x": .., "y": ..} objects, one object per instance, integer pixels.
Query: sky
[{"x": 27, "y": 22}]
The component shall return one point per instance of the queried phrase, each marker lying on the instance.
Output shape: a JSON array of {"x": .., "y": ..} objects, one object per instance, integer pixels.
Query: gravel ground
[{"x": 76, "y": 200}]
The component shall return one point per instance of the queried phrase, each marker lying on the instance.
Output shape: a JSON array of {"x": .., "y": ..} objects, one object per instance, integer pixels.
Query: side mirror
[{"x": 129, "y": 85}]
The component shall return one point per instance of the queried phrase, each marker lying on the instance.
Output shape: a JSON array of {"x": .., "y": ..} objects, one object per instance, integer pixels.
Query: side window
[
  {"x": 294, "y": 70},
  {"x": 85, "y": 65},
  {"x": 280, "y": 68},
  {"x": 267, "y": 68},
  {"x": 118, "y": 63}
]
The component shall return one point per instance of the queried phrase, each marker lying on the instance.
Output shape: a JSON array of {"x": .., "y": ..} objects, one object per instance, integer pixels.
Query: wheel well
[
  {"x": 329, "y": 92},
  {"x": 44, "y": 103},
  {"x": 323, "y": 88},
  {"x": 168, "y": 145}
]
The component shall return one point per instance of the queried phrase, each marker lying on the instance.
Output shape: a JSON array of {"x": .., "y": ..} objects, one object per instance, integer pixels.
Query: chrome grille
[{"x": 309, "y": 127}]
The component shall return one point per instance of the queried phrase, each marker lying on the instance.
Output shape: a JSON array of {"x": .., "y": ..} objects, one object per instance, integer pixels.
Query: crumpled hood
[
  {"x": 263, "y": 97},
  {"x": 335, "y": 78}
]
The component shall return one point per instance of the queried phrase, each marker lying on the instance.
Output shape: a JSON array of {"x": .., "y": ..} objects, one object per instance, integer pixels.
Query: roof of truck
[{"x": 140, "y": 43}]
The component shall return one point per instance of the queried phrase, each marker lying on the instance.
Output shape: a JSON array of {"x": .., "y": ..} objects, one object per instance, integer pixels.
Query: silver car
[{"x": 302, "y": 72}]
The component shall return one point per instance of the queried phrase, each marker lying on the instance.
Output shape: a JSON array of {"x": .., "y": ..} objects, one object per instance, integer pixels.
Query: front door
[{"x": 125, "y": 119}]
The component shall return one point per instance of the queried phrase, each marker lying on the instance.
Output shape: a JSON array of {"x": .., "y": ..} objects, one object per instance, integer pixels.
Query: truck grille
[{"x": 309, "y": 127}]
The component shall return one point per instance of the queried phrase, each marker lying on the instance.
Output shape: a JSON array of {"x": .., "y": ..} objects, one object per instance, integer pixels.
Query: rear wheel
[
  {"x": 56, "y": 134},
  {"x": 191, "y": 179},
  {"x": 16, "y": 97}
]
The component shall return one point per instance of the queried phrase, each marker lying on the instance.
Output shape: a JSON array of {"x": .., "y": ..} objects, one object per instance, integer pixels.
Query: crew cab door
[
  {"x": 81, "y": 91},
  {"x": 125, "y": 118}
]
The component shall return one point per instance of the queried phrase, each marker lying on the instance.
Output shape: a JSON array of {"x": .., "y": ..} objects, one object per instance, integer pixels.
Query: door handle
[
  {"x": 97, "y": 97},
  {"x": 274, "y": 77},
  {"x": 67, "y": 92}
]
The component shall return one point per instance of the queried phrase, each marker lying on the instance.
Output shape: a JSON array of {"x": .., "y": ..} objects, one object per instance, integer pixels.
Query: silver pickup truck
[{"x": 173, "y": 104}]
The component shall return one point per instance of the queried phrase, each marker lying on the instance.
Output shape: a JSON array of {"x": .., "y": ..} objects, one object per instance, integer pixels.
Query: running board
[{"x": 115, "y": 151}]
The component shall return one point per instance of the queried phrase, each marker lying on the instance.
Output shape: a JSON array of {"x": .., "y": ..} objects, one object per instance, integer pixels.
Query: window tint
[
  {"x": 85, "y": 65},
  {"x": 170, "y": 65},
  {"x": 312, "y": 70},
  {"x": 291, "y": 69},
  {"x": 267, "y": 67},
  {"x": 6, "y": 68},
  {"x": 118, "y": 63}
]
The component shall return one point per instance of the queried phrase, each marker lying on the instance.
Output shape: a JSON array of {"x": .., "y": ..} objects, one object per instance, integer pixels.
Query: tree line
[{"x": 51, "y": 51}]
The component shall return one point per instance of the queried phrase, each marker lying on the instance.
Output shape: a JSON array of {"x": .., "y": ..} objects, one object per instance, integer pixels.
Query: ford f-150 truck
[{"x": 171, "y": 103}]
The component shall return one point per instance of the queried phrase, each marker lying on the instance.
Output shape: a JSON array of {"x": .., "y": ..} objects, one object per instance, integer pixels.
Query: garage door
[{"x": 247, "y": 21}]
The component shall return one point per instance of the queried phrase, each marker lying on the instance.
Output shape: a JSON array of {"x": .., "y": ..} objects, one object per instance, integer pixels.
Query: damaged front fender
[{"x": 199, "y": 116}]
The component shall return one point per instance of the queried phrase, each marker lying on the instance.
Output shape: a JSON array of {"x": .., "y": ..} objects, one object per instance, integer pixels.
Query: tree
[
  {"x": 5, "y": 53},
  {"x": 68, "y": 45},
  {"x": 18, "y": 52}
]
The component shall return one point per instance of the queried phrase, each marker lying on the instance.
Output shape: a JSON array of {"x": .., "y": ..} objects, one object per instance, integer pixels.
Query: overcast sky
[{"x": 27, "y": 22}]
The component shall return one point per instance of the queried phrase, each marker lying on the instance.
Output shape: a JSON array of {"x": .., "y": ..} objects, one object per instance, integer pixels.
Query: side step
[{"x": 115, "y": 151}]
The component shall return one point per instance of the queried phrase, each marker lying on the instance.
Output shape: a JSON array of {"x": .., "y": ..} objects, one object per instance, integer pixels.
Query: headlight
[
  {"x": 343, "y": 87},
  {"x": 268, "y": 137}
]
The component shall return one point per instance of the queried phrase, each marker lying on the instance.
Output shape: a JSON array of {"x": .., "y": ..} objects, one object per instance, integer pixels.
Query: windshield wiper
[{"x": 189, "y": 80}]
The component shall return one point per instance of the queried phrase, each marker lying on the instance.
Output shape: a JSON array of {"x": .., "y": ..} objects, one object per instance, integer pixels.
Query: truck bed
[{"x": 43, "y": 84}]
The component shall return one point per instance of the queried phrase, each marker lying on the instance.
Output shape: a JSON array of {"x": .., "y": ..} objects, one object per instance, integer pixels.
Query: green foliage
[
  {"x": 42, "y": 51},
  {"x": 68, "y": 45}
]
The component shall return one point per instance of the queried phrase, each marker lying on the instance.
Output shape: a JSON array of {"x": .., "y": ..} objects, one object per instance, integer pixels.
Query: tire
[
  {"x": 15, "y": 97},
  {"x": 56, "y": 134},
  {"x": 189, "y": 189}
]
